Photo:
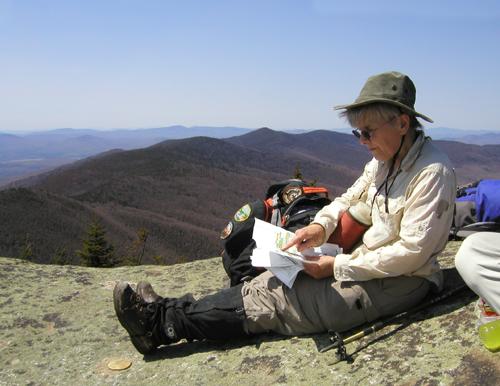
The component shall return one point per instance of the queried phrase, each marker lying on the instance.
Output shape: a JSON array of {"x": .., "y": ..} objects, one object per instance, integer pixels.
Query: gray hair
[{"x": 383, "y": 111}]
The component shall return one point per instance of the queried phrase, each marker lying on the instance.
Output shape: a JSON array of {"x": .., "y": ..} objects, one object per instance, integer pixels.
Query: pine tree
[
  {"x": 297, "y": 174},
  {"x": 135, "y": 252},
  {"x": 96, "y": 251},
  {"x": 159, "y": 260},
  {"x": 27, "y": 249},
  {"x": 60, "y": 257}
]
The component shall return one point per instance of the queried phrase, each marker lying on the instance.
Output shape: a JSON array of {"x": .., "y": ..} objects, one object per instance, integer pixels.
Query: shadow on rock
[
  {"x": 184, "y": 348},
  {"x": 458, "y": 299}
]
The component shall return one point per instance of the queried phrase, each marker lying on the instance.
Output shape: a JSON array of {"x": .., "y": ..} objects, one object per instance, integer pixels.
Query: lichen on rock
[{"x": 58, "y": 326}]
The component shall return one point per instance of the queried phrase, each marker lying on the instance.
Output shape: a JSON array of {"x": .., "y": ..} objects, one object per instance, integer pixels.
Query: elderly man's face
[{"x": 380, "y": 136}]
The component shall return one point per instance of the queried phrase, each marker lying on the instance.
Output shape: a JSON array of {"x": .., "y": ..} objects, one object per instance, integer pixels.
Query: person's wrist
[{"x": 322, "y": 234}]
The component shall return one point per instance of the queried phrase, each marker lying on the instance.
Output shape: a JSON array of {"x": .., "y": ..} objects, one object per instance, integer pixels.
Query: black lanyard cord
[{"x": 387, "y": 188}]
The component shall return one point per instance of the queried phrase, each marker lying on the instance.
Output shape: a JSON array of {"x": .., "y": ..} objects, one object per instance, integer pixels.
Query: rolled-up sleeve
[
  {"x": 424, "y": 229},
  {"x": 328, "y": 217}
]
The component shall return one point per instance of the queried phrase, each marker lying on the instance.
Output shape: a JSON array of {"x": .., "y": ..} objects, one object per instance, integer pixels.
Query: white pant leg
[{"x": 478, "y": 262}]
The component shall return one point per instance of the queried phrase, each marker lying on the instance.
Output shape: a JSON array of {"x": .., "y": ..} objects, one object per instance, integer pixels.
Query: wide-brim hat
[{"x": 389, "y": 87}]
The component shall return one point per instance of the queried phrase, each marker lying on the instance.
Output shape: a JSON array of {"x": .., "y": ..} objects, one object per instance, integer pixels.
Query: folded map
[{"x": 285, "y": 265}]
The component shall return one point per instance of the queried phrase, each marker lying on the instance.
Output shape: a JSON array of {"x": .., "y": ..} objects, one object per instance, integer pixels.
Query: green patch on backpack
[{"x": 243, "y": 213}]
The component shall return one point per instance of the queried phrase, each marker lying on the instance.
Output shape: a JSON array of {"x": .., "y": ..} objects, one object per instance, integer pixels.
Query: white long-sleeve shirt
[{"x": 407, "y": 239}]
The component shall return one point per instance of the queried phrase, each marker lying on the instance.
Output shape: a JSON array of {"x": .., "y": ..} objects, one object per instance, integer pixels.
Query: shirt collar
[{"x": 414, "y": 151}]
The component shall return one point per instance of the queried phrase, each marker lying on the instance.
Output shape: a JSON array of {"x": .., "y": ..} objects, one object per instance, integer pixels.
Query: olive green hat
[{"x": 389, "y": 87}]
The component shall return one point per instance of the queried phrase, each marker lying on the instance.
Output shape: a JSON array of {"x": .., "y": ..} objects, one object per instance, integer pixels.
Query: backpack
[
  {"x": 290, "y": 204},
  {"x": 477, "y": 209}
]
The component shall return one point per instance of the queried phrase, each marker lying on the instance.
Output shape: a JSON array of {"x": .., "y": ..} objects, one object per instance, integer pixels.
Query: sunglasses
[{"x": 366, "y": 134}]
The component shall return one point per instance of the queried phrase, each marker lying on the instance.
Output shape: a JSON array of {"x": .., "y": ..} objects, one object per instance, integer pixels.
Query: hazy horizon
[{"x": 290, "y": 129}]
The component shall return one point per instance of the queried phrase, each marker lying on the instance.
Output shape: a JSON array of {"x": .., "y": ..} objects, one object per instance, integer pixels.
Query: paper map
[{"x": 284, "y": 265}]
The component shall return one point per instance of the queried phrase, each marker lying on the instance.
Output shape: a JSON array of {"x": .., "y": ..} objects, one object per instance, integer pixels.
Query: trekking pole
[{"x": 339, "y": 343}]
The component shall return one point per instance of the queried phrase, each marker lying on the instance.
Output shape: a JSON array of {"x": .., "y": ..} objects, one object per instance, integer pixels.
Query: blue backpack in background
[{"x": 477, "y": 208}]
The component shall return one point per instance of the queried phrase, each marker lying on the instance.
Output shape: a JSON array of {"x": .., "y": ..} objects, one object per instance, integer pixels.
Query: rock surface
[{"x": 57, "y": 327}]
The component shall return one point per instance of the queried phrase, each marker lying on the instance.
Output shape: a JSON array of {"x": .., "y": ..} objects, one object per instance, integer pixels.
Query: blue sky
[{"x": 282, "y": 64}]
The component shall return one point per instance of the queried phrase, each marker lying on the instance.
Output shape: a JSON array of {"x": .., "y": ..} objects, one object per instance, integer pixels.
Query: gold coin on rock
[{"x": 119, "y": 364}]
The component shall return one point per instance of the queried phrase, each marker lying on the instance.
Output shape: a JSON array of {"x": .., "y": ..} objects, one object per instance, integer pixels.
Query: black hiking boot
[
  {"x": 140, "y": 319},
  {"x": 147, "y": 293},
  {"x": 219, "y": 316}
]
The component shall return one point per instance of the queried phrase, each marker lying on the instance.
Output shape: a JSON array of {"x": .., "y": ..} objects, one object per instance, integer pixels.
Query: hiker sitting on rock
[{"x": 409, "y": 187}]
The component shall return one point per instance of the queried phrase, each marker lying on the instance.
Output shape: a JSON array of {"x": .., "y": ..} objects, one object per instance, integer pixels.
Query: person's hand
[
  {"x": 309, "y": 236},
  {"x": 319, "y": 267}
]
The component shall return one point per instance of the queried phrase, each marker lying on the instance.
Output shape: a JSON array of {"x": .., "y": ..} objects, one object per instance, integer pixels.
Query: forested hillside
[{"x": 181, "y": 193}]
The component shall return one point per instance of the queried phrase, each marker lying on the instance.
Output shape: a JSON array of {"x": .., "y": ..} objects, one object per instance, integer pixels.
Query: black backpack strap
[
  {"x": 486, "y": 226},
  {"x": 302, "y": 212},
  {"x": 237, "y": 241}
]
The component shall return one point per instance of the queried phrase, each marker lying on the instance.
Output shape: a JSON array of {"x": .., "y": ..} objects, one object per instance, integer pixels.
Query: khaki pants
[{"x": 313, "y": 306}]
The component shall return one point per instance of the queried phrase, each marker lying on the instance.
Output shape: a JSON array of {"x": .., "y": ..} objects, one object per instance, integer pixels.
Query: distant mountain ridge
[
  {"x": 27, "y": 154},
  {"x": 184, "y": 191}
]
